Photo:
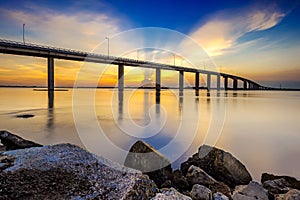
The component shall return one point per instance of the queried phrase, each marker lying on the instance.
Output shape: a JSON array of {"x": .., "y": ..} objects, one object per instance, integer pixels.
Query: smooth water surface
[{"x": 260, "y": 128}]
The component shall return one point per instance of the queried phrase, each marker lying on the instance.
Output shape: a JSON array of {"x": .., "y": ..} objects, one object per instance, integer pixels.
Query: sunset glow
[{"x": 254, "y": 40}]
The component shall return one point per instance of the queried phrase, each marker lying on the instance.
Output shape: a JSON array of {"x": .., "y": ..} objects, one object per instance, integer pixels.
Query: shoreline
[{"x": 211, "y": 173}]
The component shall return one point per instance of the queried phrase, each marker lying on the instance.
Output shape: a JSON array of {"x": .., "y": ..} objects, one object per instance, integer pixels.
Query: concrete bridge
[{"x": 51, "y": 53}]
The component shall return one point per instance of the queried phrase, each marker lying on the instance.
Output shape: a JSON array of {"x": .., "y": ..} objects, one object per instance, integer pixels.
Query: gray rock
[
  {"x": 293, "y": 194},
  {"x": 219, "y": 196},
  {"x": 196, "y": 175},
  {"x": 219, "y": 164},
  {"x": 294, "y": 183},
  {"x": 12, "y": 141},
  {"x": 200, "y": 192},
  {"x": 145, "y": 158},
  {"x": 170, "y": 194},
  {"x": 66, "y": 171},
  {"x": 252, "y": 191},
  {"x": 277, "y": 186}
]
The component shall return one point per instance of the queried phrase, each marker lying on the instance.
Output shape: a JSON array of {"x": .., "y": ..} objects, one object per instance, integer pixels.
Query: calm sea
[{"x": 260, "y": 128}]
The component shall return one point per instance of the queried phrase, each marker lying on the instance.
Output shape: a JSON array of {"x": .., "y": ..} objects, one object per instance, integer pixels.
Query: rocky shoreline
[{"x": 64, "y": 171}]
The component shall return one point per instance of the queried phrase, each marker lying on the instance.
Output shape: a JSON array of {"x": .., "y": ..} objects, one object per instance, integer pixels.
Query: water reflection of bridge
[{"x": 51, "y": 53}]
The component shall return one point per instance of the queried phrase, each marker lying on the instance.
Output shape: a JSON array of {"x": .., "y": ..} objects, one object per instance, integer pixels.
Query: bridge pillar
[
  {"x": 181, "y": 81},
  {"x": 121, "y": 77},
  {"x": 235, "y": 84},
  {"x": 245, "y": 85},
  {"x": 255, "y": 86},
  {"x": 157, "y": 81},
  {"x": 225, "y": 82},
  {"x": 197, "y": 82},
  {"x": 208, "y": 81},
  {"x": 218, "y": 82},
  {"x": 250, "y": 86},
  {"x": 50, "y": 73}
]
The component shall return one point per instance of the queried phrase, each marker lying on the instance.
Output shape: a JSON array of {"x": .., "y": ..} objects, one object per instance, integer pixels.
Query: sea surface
[{"x": 260, "y": 128}]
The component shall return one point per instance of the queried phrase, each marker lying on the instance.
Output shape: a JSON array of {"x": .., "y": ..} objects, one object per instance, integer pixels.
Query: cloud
[
  {"x": 222, "y": 31},
  {"x": 77, "y": 30}
]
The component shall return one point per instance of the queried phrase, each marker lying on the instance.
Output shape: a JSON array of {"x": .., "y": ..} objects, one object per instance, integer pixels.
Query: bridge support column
[
  {"x": 250, "y": 86},
  {"x": 181, "y": 81},
  {"x": 225, "y": 82},
  {"x": 208, "y": 81},
  {"x": 235, "y": 84},
  {"x": 157, "y": 81},
  {"x": 197, "y": 83},
  {"x": 121, "y": 77},
  {"x": 218, "y": 82},
  {"x": 245, "y": 85},
  {"x": 50, "y": 73}
]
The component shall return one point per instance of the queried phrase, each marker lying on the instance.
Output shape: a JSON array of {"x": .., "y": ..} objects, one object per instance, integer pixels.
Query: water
[{"x": 260, "y": 128}]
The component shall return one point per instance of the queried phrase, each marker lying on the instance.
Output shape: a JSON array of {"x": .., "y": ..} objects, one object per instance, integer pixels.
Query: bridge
[{"x": 51, "y": 53}]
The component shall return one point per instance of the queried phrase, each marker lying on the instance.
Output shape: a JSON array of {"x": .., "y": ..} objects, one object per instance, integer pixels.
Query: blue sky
[{"x": 254, "y": 39}]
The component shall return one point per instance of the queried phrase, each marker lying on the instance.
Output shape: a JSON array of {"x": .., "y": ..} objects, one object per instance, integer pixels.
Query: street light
[
  {"x": 23, "y": 34},
  {"x": 107, "y": 45}
]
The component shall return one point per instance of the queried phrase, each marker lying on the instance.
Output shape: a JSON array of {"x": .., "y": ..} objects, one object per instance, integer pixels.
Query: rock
[
  {"x": 2, "y": 148},
  {"x": 66, "y": 171},
  {"x": 170, "y": 194},
  {"x": 291, "y": 180},
  {"x": 293, "y": 194},
  {"x": 200, "y": 192},
  {"x": 196, "y": 175},
  {"x": 179, "y": 181},
  {"x": 12, "y": 141},
  {"x": 252, "y": 191},
  {"x": 277, "y": 186},
  {"x": 167, "y": 184},
  {"x": 145, "y": 158},
  {"x": 219, "y": 164},
  {"x": 25, "y": 116},
  {"x": 219, "y": 196}
]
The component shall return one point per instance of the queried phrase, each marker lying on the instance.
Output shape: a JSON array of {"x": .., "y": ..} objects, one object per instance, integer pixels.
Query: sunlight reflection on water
[{"x": 261, "y": 128}]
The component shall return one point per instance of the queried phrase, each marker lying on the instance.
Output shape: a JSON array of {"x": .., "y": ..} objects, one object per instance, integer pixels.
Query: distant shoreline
[{"x": 61, "y": 88}]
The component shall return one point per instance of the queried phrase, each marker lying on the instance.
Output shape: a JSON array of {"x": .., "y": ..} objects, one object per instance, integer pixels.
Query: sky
[{"x": 258, "y": 40}]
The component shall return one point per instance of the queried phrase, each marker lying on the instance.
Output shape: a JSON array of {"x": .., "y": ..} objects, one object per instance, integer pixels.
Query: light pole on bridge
[
  {"x": 23, "y": 34},
  {"x": 107, "y": 45}
]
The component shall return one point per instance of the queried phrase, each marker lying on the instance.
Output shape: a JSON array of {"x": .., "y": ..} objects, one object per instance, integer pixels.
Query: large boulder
[
  {"x": 293, "y": 182},
  {"x": 12, "y": 141},
  {"x": 219, "y": 164},
  {"x": 279, "y": 184},
  {"x": 170, "y": 194},
  {"x": 196, "y": 175},
  {"x": 252, "y": 191},
  {"x": 66, "y": 171},
  {"x": 200, "y": 192},
  {"x": 147, "y": 159}
]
